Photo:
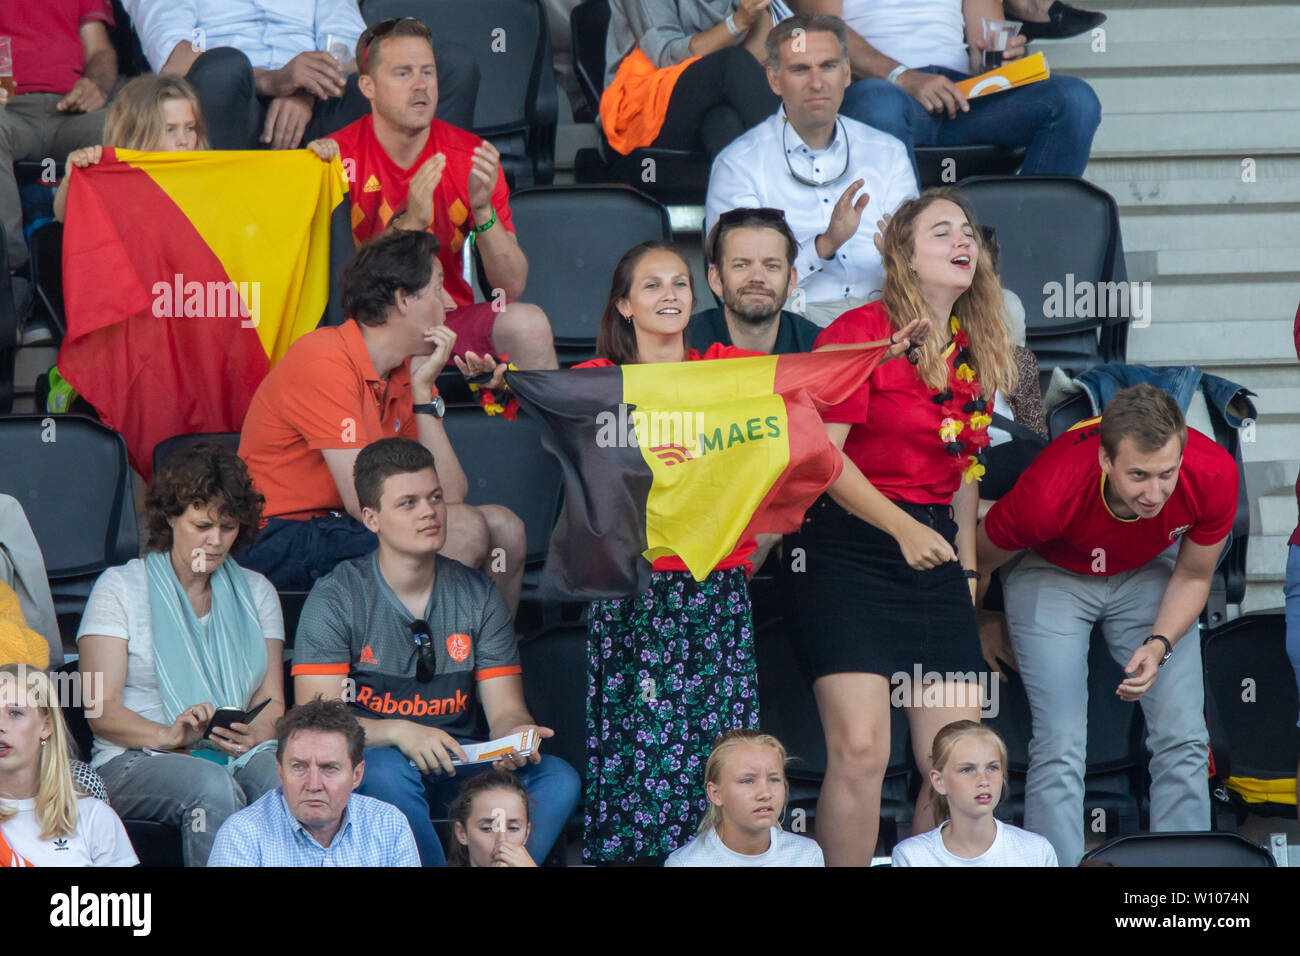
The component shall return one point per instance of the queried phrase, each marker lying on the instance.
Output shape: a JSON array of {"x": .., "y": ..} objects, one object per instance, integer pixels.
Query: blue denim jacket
[{"x": 1101, "y": 382}]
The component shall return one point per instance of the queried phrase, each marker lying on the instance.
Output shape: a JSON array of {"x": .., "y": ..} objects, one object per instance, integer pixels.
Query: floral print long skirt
[{"x": 667, "y": 672}]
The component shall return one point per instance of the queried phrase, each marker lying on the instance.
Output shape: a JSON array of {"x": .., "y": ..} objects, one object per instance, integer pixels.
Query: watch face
[{"x": 439, "y": 406}]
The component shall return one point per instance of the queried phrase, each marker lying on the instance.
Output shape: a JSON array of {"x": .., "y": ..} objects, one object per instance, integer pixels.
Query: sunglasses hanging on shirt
[
  {"x": 426, "y": 666},
  {"x": 839, "y": 130}
]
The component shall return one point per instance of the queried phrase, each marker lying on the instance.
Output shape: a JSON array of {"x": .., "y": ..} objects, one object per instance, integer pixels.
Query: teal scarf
[{"x": 222, "y": 664}]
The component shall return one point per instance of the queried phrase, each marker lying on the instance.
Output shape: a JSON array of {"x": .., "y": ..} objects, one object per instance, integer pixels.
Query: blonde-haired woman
[
  {"x": 153, "y": 113},
  {"x": 746, "y": 786},
  {"x": 44, "y": 818},
  {"x": 889, "y": 580}
]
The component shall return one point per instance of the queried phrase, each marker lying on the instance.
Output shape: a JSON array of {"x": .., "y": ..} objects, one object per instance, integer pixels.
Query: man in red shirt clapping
[
  {"x": 1123, "y": 518},
  {"x": 408, "y": 170}
]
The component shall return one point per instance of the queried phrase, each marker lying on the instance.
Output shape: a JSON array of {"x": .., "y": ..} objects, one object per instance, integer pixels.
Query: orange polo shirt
[{"x": 324, "y": 394}]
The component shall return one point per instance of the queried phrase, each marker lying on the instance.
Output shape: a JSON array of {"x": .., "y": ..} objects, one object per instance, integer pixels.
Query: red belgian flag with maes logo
[
  {"x": 187, "y": 275},
  {"x": 684, "y": 458}
]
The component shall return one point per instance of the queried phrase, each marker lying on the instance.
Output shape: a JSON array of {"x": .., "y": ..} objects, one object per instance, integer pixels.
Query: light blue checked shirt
[{"x": 373, "y": 833}]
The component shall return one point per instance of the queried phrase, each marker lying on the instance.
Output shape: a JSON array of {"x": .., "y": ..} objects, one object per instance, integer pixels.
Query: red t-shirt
[
  {"x": 46, "y": 42},
  {"x": 745, "y": 547},
  {"x": 895, "y": 438},
  {"x": 379, "y": 186},
  {"x": 1057, "y": 506}
]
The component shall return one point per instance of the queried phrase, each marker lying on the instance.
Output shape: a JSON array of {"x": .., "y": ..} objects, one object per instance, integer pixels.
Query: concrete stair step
[
  {"x": 1188, "y": 133},
  {"x": 1201, "y": 263},
  {"x": 1227, "y": 190},
  {"x": 1277, "y": 512},
  {"x": 1146, "y": 49},
  {"x": 1220, "y": 229},
  {"x": 1180, "y": 92},
  {"x": 1239, "y": 298},
  {"x": 1172, "y": 342},
  {"x": 1266, "y": 556},
  {"x": 1276, "y": 438}
]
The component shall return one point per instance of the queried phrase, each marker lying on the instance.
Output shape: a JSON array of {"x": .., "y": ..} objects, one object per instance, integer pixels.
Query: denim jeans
[
  {"x": 293, "y": 554},
  {"x": 1055, "y": 120},
  {"x": 192, "y": 794},
  {"x": 1292, "y": 590},
  {"x": 1050, "y": 614},
  {"x": 552, "y": 787}
]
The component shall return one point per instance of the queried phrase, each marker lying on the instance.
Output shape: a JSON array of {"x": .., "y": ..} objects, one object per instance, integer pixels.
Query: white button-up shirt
[
  {"x": 753, "y": 171},
  {"x": 269, "y": 32}
]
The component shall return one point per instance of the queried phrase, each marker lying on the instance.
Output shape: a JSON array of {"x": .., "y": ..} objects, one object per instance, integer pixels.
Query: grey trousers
[
  {"x": 1050, "y": 614},
  {"x": 192, "y": 794},
  {"x": 32, "y": 128}
]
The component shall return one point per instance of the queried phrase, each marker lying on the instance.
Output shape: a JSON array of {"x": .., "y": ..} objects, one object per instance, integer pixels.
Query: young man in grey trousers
[{"x": 1122, "y": 520}]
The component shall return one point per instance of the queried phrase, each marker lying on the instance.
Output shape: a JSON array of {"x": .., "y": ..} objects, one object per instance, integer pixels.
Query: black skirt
[{"x": 857, "y": 607}]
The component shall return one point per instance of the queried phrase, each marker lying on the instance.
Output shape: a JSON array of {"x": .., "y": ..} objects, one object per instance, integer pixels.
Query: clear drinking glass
[{"x": 998, "y": 34}]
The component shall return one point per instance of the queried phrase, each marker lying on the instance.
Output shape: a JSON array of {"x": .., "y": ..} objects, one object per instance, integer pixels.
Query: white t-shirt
[
  {"x": 100, "y": 839},
  {"x": 786, "y": 849},
  {"x": 1011, "y": 847},
  {"x": 119, "y": 607},
  {"x": 916, "y": 33}
]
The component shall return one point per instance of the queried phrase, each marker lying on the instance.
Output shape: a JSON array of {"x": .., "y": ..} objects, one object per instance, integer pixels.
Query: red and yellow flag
[{"x": 187, "y": 275}]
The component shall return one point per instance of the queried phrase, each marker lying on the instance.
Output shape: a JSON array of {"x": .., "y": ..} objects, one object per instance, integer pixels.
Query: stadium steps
[{"x": 1182, "y": 112}]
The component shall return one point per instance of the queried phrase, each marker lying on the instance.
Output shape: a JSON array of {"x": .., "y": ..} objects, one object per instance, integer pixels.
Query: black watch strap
[
  {"x": 1169, "y": 648},
  {"x": 436, "y": 408}
]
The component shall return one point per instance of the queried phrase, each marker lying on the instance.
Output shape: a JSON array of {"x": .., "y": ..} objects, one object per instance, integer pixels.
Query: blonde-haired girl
[
  {"x": 44, "y": 819},
  {"x": 967, "y": 776},
  {"x": 746, "y": 786},
  {"x": 152, "y": 112}
]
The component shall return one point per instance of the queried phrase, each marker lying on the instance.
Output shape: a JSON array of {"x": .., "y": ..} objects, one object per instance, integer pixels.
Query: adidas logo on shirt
[
  {"x": 372, "y": 185},
  {"x": 60, "y": 844},
  {"x": 368, "y": 656}
]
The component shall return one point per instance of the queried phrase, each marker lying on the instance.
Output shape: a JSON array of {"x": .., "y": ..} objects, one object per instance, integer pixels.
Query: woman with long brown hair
[
  {"x": 887, "y": 593},
  {"x": 671, "y": 669}
]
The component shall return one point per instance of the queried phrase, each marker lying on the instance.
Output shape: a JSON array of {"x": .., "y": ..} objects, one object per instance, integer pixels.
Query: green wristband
[{"x": 490, "y": 223}]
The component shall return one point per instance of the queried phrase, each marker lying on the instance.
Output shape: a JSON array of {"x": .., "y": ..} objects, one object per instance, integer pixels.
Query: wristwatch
[
  {"x": 1169, "y": 648},
  {"x": 437, "y": 408}
]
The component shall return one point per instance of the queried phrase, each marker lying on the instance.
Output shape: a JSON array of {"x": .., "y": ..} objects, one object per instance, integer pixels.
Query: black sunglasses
[
  {"x": 427, "y": 664},
  {"x": 736, "y": 217},
  {"x": 383, "y": 28}
]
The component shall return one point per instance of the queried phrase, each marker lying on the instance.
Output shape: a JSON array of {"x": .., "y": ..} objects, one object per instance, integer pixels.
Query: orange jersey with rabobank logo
[{"x": 354, "y": 626}]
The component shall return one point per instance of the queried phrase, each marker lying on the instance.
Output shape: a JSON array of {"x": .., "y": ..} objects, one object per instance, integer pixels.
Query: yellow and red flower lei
[
  {"x": 964, "y": 428},
  {"x": 488, "y": 400}
]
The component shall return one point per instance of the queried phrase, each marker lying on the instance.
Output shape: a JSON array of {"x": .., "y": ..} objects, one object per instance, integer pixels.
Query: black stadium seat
[
  {"x": 8, "y": 330},
  {"x": 517, "y": 104},
  {"x": 788, "y": 711},
  {"x": 168, "y": 448},
  {"x": 1051, "y": 228},
  {"x": 72, "y": 478},
  {"x": 506, "y": 465},
  {"x": 554, "y": 663},
  {"x": 1251, "y": 706},
  {"x": 1181, "y": 849},
  {"x": 47, "y": 274},
  {"x": 1117, "y": 757},
  {"x": 573, "y": 237}
]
